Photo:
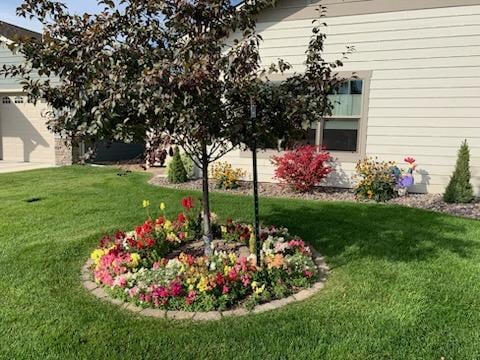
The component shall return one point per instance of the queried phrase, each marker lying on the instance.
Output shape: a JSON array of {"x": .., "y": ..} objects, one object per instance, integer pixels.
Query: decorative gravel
[{"x": 420, "y": 201}]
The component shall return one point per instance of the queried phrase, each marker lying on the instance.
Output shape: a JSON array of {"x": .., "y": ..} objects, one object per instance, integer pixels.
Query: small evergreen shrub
[
  {"x": 303, "y": 168},
  {"x": 176, "y": 170},
  {"x": 459, "y": 189},
  {"x": 189, "y": 166},
  {"x": 375, "y": 180},
  {"x": 225, "y": 176}
]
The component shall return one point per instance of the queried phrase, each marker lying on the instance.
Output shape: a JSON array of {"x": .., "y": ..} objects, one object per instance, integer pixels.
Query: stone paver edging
[{"x": 100, "y": 293}]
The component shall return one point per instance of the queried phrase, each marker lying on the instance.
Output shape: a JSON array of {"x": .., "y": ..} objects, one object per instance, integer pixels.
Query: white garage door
[{"x": 23, "y": 133}]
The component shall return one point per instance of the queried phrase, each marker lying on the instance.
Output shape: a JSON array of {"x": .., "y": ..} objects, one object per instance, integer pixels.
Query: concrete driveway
[{"x": 13, "y": 166}]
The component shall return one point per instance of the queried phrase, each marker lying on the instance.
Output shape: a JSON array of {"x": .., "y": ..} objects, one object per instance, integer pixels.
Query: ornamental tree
[{"x": 143, "y": 66}]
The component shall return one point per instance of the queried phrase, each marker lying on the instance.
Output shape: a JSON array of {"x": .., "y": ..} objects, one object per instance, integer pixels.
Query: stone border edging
[{"x": 101, "y": 294}]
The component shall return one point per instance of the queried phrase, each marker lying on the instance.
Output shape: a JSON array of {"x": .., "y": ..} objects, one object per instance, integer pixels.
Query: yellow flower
[
  {"x": 258, "y": 289},
  {"x": 172, "y": 237},
  {"x": 97, "y": 254},
  {"x": 232, "y": 257},
  {"x": 224, "y": 229},
  {"x": 134, "y": 260},
  {"x": 168, "y": 225},
  {"x": 146, "y": 203},
  {"x": 202, "y": 285},
  {"x": 162, "y": 206}
]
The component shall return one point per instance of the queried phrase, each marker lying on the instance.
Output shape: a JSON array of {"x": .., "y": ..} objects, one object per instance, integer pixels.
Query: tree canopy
[{"x": 187, "y": 68}]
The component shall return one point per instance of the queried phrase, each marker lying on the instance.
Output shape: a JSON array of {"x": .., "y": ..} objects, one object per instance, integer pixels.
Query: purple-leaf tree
[{"x": 185, "y": 68}]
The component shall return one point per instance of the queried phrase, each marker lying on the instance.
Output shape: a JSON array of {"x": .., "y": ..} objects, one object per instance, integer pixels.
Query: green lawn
[{"x": 405, "y": 283}]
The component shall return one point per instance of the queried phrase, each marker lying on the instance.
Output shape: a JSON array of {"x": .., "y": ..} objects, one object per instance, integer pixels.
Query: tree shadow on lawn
[{"x": 344, "y": 231}]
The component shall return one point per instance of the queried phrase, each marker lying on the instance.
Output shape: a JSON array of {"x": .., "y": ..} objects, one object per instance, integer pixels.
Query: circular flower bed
[{"x": 161, "y": 265}]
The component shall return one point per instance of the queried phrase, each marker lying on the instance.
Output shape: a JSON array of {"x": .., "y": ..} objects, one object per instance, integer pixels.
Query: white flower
[
  {"x": 213, "y": 266},
  {"x": 173, "y": 264}
]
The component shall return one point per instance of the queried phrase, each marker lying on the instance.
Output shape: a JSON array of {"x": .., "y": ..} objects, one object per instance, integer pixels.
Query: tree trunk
[{"x": 207, "y": 225}]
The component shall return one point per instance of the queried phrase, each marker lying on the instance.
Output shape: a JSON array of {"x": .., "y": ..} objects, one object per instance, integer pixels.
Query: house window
[
  {"x": 6, "y": 100},
  {"x": 340, "y": 132},
  {"x": 18, "y": 99},
  {"x": 343, "y": 133}
]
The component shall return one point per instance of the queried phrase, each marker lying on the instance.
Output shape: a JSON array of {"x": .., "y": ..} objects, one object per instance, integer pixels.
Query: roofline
[{"x": 15, "y": 31}]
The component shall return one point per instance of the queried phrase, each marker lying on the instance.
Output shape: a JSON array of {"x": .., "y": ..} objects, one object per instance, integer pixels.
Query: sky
[{"x": 8, "y": 11}]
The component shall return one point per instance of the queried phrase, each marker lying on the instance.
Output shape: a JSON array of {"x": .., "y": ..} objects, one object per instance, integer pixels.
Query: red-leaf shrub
[{"x": 302, "y": 168}]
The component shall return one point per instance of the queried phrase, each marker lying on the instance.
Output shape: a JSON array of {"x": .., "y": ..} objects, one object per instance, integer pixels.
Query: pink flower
[
  {"x": 176, "y": 288},
  {"x": 226, "y": 289},
  {"x": 133, "y": 292},
  {"x": 245, "y": 280},
  {"x": 120, "y": 282},
  {"x": 191, "y": 297},
  {"x": 161, "y": 292}
]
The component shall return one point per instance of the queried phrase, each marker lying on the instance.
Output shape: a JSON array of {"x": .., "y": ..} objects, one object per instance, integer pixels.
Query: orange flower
[{"x": 276, "y": 262}]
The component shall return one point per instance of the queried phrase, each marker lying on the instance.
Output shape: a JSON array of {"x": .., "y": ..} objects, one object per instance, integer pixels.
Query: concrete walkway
[{"x": 14, "y": 166}]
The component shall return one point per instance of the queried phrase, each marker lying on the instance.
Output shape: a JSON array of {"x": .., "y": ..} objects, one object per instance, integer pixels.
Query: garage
[{"x": 23, "y": 134}]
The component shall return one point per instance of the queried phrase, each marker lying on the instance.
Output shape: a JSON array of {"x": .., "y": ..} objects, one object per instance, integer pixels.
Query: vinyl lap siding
[
  {"x": 425, "y": 86},
  {"x": 7, "y": 58}
]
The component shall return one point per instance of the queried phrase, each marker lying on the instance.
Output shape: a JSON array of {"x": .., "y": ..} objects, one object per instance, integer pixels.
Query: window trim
[{"x": 342, "y": 156}]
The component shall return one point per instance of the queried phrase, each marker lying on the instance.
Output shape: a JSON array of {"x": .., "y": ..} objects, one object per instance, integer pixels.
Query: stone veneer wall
[{"x": 65, "y": 152}]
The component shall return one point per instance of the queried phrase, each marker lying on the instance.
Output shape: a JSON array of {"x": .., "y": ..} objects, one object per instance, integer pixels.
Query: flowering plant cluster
[
  {"x": 302, "y": 168},
  {"x": 138, "y": 274},
  {"x": 155, "y": 237},
  {"x": 374, "y": 180},
  {"x": 237, "y": 231},
  {"x": 225, "y": 176},
  {"x": 382, "y": 181}
]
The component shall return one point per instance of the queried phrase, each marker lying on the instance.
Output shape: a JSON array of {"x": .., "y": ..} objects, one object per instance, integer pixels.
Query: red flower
[
  {"x": 187, "y": 203},
  {"x": 119, "y": 235},
  {"x": 308, "y": 274},
  {"x": 409, "y": 160},
  {"x": 181, "y": 218},
  {"x": 150, "y": 242},
  {"x": 131, "y": 242},
  {"x": 232, "y": 275},
  {"x": 160, "y": 221},
  {"x": 105, "y": 241},
  {"x": 147, "y": 228},
  {"x": 139, "y": 230},
  {"x": 220, "y": 280}
]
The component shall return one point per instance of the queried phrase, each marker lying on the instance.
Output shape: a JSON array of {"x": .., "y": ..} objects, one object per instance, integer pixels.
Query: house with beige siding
[
  {"x": 417, "y": 91},
  {"x": 24, "y": 136}
]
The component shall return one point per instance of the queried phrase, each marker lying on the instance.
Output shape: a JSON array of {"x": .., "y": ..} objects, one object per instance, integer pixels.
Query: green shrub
[
  {"x": 176, "y": 169},
  {"x": 459, "y": 189},
  {"x": 189, "y": 166}
]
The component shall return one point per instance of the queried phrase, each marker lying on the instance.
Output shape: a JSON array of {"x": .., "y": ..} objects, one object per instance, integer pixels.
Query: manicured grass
[{"x": 405, "y": 283}]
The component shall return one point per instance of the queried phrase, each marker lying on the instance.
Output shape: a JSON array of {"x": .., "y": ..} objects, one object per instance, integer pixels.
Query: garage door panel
[{"x": 25, "y": 136}]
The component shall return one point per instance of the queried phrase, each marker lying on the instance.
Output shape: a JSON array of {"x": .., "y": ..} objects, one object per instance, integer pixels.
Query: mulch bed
[{"x": 420, "y": 201}]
